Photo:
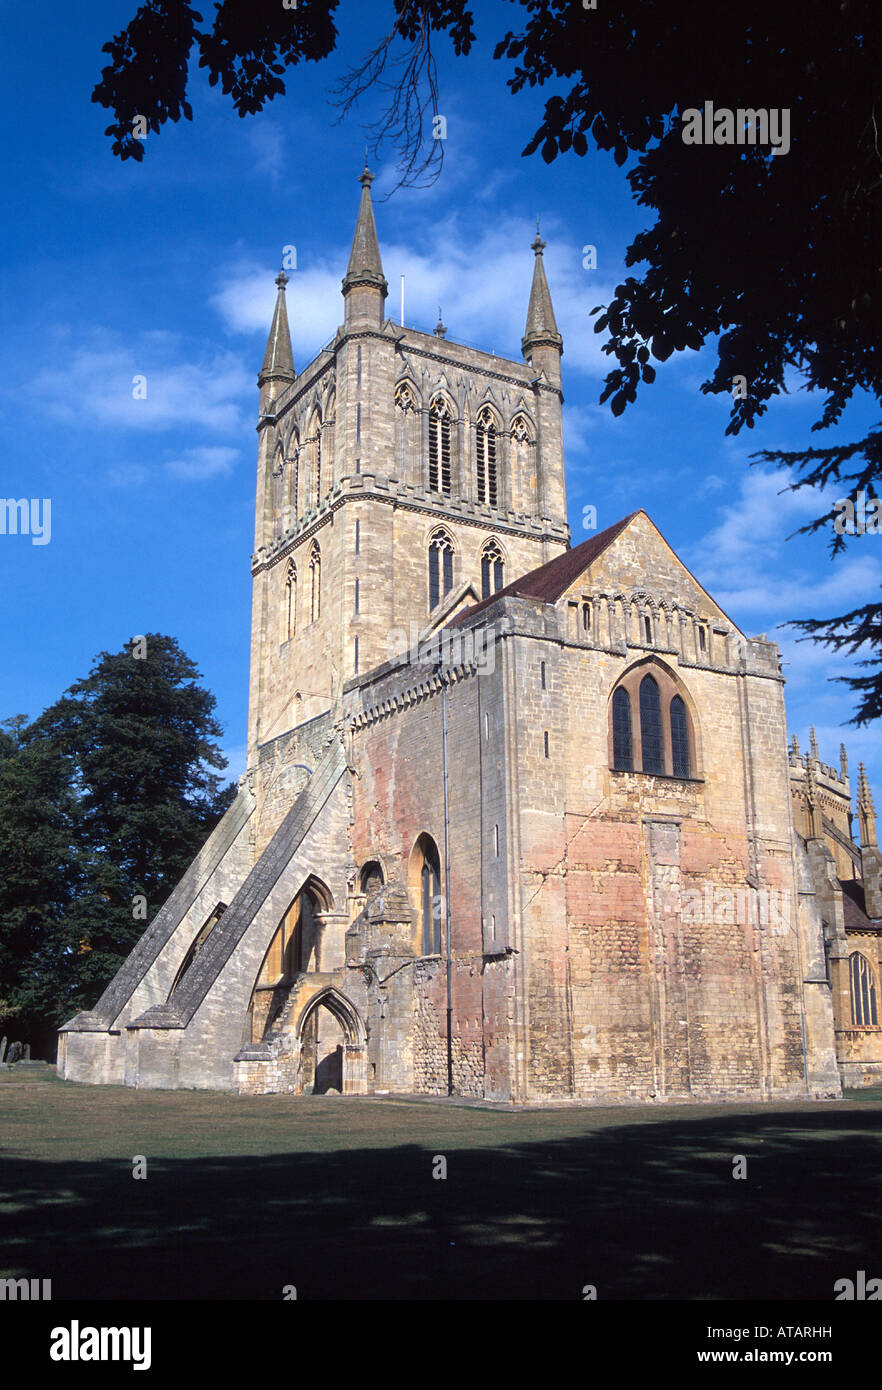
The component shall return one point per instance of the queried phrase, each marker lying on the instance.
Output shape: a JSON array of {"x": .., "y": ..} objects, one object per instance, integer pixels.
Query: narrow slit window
[
  {"x": 542, "y": 672},
  {"x": 546, "y": 743}
]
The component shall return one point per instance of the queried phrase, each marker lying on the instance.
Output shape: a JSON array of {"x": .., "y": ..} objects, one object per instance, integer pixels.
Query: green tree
[
  {"x": 39, "y": 879},
  {"x": 104, "y": 801}
]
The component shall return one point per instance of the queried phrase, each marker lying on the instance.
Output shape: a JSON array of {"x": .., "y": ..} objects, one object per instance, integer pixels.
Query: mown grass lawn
[{"x": 336, "y": 1196}]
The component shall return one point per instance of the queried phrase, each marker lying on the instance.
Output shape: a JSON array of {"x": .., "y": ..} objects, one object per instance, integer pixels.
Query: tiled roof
[
  {"x": 552, "y": 579},
  {"x": 855, "y": 907}
]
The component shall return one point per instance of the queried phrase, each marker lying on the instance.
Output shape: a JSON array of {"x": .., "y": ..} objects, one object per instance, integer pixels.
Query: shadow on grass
[{"x": 641, "y": 1211}]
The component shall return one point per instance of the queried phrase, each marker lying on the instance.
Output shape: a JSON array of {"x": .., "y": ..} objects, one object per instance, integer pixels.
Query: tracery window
[
  {"x": 486, "y": 447},
  {"x": 439, "y": 446},
  {"x": 863, "y": 991},
  {"x": 650, "y": 726},
  {"x": 290, "y": 626},
  {"x": 315, "y": 572},
  {"x": 440, "y": 568},
  {"x": 404, "y": 396},
  {"x": 278, "y": 491},
  {"x": 408, "y": 426},
  {"x": 492, "y": 569},
  {"x": 314, "y": 460}
]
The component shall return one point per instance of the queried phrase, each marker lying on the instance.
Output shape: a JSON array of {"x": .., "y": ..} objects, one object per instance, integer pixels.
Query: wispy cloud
[
  {"x": 205, "y": 461},
  {"x": 149, "y": 385},
  {"x": 477, "y": 279}
]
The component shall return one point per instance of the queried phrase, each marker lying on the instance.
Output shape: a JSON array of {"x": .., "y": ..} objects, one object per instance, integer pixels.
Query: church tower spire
[
  {"x": 866, "y": 810},
  {"x": 541, "y": 343},
  {"x": 278, "y": 360},
  {"x": 364, "y": 284}
]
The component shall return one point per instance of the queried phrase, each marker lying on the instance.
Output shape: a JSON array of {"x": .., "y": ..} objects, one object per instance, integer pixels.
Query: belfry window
[
  {"x": 315, "y": 573},
  {"x": 439, "y": 446},
  {"x": 863, "y": 992},
  {"x": 486, "y": 443},
  {"x": 492, "y": 568},
  {"x": 440, "y": 568},
  {"x": 623, "y": 752},
  {"x": 290, "y": 602}
]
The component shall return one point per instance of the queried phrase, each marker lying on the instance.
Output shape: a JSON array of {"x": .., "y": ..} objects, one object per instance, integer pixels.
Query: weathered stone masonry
[{"x": 546, "y": 789}]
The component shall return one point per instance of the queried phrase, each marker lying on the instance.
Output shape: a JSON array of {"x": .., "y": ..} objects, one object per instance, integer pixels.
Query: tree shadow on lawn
[{"x": 641, "y": 1211}]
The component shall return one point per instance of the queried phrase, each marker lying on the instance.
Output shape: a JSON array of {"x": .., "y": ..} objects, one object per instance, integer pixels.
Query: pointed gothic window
[
  {"x": 522, "y": 465},
  {"x": 408, "y": 427},
  {"x": 425, "y": 878},
  {"x": 315, "y": 574},
  {"x": 650, "y": 727},
  {"x": 679, "y": 738},
  {"x": 314, "y": 446},
  {"x": 293, "y": 481},
  {"x": 492, "y": 566},
  {"x": 863, "y": 992},
  {"x": 486, "y": 442},
  {"x": 278, "y": 491},
  {"x": 439, "y": 446},
  {"x": 404, "y": 396},
  {"x": 623, "y": 755},
  {"x": 440, "y": 568},
  {"x": 290, "y": 602}
]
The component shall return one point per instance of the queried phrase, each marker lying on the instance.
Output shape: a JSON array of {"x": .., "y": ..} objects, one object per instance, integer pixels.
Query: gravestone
[
  {"x": 15, "y": 1052},
  {"x": 2, "y": 1049},
  {"x": 27, "y": 1052}
]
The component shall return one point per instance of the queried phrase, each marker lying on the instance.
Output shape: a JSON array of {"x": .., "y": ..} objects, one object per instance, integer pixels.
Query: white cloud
[
  {"x": 103, "y": 380},
  {"x": 267, "y": 144},
  {"x": 481, "y": 278},
  {"x": 205, "y": 461}
]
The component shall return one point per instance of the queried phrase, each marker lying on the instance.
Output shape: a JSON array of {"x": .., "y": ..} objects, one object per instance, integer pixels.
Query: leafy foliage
[{"x": 106, "y": 796}]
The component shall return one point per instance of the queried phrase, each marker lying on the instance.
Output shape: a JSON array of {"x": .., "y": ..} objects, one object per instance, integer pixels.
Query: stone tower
[{"x": 400, "y": 476}]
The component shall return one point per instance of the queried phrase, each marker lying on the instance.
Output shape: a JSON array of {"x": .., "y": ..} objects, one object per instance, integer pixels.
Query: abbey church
[{"x": 520, "y": 820}]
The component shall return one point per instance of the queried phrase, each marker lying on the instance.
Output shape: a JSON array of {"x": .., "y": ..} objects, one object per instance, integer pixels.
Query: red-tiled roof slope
[
  {"x": 854, "y": 907},
  {"x": 552, "y": 579}
]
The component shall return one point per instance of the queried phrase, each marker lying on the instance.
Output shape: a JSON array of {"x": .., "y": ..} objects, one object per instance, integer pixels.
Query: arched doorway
[
  {"x": 332, "y": 1041},
  {"x": 321, "y": 1051}
]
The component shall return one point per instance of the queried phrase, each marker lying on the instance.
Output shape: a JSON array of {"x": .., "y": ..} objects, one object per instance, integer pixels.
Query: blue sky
[{"x": 165, "y": 268}]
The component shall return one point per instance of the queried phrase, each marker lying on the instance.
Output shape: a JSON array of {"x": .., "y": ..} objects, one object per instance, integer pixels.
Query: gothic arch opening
[
  {"x": 329, "y": 1027},
  {"x": 424, "y": 889},
  {"x": 295, "y": 950},
  {"x": 652, "y": 723}
]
